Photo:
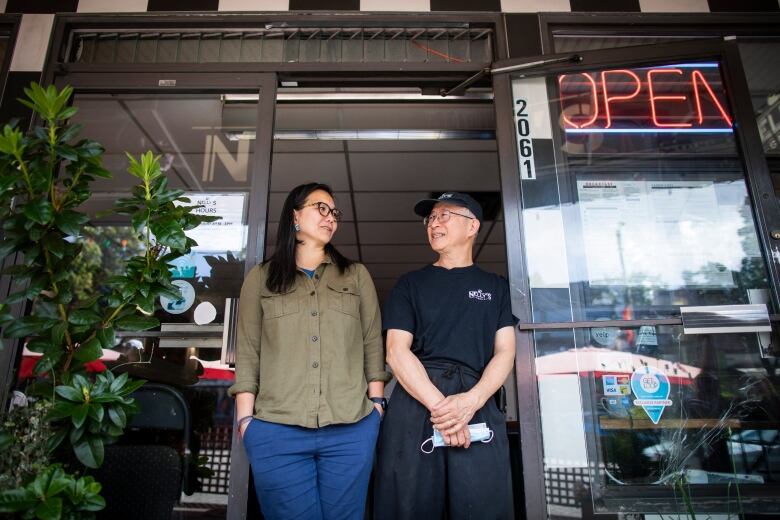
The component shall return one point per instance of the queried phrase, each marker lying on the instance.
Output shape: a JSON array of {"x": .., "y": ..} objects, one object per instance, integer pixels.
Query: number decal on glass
[{"x": 525, "y": 149}]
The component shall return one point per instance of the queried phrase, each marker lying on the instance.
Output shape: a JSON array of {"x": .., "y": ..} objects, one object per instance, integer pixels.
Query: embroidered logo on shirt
[{"x": 479, "y": 295}]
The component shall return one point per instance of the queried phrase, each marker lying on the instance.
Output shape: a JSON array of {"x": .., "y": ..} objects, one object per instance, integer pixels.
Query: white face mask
[{"x": 479, "y": 433}]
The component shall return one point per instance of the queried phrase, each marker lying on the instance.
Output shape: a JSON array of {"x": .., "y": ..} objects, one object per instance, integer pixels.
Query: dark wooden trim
[
  {"x": 605, "y": 5},
  {"x": 528, "y": 409},
  {"x": 178, "y": 5},
  {"x": 743, "y": 6},
  {"x": 331, "y": 5},
  {"x": 681, "y": 25},
  {"x": 41, "y": 6}
]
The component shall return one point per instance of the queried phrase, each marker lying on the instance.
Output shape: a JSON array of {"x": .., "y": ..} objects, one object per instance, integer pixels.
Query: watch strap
[{"x": 381, "y": 401}]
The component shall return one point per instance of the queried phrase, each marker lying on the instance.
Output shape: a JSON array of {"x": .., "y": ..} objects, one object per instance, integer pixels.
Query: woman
[{"x": 310, "y": 370}]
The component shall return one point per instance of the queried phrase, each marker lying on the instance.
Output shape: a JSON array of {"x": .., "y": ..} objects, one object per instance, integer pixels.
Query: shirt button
[
  {"x": 316, "y": 277},
  {"x": 311, "y": 293},
  {"x": 315, "y": 365},
  {"x": 314, "y": 338},
  {"x": 345, "y": 289},
  {"x": 313, "y": 313}
]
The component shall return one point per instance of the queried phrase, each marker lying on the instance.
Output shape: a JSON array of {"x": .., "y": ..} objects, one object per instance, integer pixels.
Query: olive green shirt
[{"x": 309, "y": 354}]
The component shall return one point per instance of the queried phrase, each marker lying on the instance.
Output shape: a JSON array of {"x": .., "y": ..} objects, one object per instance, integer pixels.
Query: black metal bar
[
  {"x": 528, "y": 409},
  {"x": 624, "y": 324},
  {"x": 257, "y": 222},
  {"x": 261, "y": 174},
  {"x": 168, "y": 334},
  {"x": 461, "y": 87},
  {"x": 12, "y": 348},
  {"x": 766, "y": 206},
  {"x": 532, "y": 64},
  {"x": 350, "y": 183},
  {"x": 314, "y": 68}
]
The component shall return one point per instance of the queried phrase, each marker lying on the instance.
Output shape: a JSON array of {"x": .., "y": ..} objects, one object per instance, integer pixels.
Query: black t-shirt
[{"x": 453, "y": 313}]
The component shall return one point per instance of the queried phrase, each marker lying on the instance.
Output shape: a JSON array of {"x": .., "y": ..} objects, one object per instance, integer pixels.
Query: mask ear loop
[
  {"x": 489, "y": 438},
  {"x": 426, "y": 441}
]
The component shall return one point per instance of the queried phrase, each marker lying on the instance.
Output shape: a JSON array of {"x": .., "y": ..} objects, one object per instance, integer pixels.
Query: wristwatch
[{"x": 381, "y": 401}]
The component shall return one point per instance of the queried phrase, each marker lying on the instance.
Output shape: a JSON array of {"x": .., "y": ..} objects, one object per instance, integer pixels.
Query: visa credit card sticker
[{"x": 616, "y": 384}]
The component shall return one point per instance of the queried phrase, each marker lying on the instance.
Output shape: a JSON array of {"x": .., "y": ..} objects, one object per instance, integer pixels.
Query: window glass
[
  {"x": 764, "y": 84},
  {"x": 635, "y": 204}
]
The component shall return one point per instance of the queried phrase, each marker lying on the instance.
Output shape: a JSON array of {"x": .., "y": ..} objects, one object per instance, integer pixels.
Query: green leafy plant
[
  {"x": 95, "y": 413},
  {"x": 45, "y": 176},
  {"x": 54, "y": 494},
  {"x": 25, "y": 434}
]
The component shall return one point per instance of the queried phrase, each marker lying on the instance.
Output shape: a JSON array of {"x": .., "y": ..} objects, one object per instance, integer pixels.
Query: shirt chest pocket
[
  {"x": 343, "y": 297},
  {"x": 276, "y": 305}
]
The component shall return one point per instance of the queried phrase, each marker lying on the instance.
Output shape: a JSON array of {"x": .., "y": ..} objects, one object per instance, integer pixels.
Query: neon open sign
[{"x": 676, "y": 99}]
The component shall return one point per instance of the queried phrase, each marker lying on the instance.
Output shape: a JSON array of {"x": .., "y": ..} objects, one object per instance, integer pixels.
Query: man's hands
[{"x": 451, "y": 417}]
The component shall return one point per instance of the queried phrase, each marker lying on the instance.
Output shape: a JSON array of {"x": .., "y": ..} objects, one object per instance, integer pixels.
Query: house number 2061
[{"x": 525, "y": 148}]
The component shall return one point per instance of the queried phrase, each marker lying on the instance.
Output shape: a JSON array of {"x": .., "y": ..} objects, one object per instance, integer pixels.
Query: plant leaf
[
  {"x": 39, "y": 211},
  {"x": 20, "y": 499},
  {"x": 96, "y": 411},
  {"x": 49, "y": 509},
  {"x": 70, "y": 222},
  {"x": 79, "y": 415},
  {"x": 135, "y": 323},
  {"x": 90, "y": 451},
  {"x": 83, "y": 317},
  {"x": 56, "y": 439},
  {"x": 117, "y": 415},
  {"x": 28, "y": 325},
  {"x": 131, "y": 387},
  {"x": 69, "y": 393},
  {"x": 38, "y": 345},
  {"x": 58, "y": 332},
  {"x": 119, "y": 382},
  {"x": 89, "y": 351},
  {"x": 107, "y": 337},
  {"x": 70, "y": 132}
]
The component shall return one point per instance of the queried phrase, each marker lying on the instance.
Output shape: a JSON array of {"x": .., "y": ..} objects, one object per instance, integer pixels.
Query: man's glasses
[
  {"x": 326, "y": 210},
  {"x": 442, "y": 217}
]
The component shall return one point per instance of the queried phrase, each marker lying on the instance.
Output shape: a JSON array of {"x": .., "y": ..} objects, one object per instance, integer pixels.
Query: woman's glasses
[{"x": 326, "y": 210}]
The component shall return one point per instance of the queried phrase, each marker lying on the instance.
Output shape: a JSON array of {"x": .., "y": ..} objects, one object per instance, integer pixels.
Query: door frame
[
  {"x": 263, "y": 84},
  {"x": 764, "y": 203}
]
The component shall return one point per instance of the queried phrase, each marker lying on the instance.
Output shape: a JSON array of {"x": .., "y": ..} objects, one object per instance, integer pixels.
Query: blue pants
[{"x": 312, "y": 473}]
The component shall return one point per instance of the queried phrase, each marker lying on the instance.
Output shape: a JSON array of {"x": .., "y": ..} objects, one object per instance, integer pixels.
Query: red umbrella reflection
[{"x": 605, "y": 361}]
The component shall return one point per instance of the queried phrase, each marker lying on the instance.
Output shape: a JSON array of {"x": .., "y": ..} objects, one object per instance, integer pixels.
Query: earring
[{"x": 296, "y": 227}]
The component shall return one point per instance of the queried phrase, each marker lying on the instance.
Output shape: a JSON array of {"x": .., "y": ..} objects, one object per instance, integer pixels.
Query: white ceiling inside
[{"x": 386, "y": 178}]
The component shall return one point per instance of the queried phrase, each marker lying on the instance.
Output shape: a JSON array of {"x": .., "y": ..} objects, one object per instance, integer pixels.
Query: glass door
[
  {"x": 214, "y": 143},
  {"x": 640, "y": 199}
]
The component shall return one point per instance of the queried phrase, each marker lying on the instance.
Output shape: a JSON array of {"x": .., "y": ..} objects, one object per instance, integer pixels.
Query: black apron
[{"x": 451, "y": 483}]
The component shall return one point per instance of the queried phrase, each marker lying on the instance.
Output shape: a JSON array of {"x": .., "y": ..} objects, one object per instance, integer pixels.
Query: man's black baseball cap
[{"x": 424, "y": 207}]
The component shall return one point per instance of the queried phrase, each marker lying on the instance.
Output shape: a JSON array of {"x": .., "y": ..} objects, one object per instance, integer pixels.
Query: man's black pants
[{"x": 452, "y": 483}]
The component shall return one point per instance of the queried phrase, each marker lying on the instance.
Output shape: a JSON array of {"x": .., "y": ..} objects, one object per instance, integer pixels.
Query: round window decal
[{"x": 174, "y": 306}]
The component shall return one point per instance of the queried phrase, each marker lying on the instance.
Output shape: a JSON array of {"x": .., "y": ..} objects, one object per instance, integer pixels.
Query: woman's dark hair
[{"x": 281, "y": 266}]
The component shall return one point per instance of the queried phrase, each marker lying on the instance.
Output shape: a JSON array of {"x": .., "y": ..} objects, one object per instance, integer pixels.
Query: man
[{"x": 451, "y": 345}]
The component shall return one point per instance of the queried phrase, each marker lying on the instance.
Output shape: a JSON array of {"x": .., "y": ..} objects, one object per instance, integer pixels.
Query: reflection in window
[
  {"x": 764, "y": 84},
  {"x": 104, "y": 253},
  {"x": 643, "y": 206}
]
